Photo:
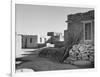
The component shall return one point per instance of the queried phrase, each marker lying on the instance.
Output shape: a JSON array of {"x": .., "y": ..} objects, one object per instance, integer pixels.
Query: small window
[
  {"x": 40, "y": 39},
  {"x": 30, "y": 40},
  {"x": 45, "y": 39},
  {"x": 88, "y": 32}
]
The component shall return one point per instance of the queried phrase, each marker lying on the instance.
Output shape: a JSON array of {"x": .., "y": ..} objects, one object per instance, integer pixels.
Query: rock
[
  {"x": 82, "y": 48},
  {"x": 91, "y": 58},
  {"x": 75, "y": 47},
  {"x": 81, "y": 52},
  {"x": 71, "y": 51}
]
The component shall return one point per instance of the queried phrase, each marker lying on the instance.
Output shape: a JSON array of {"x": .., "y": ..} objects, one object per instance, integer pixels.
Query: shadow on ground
[{"x": 35, "y": 62}]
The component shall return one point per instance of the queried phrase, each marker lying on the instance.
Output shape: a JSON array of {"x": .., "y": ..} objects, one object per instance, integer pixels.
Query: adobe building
[
  {"x": 29, "y": 41},
  {"x": 80, "y": 25},
  {"x": 56, "y": 35},
  {"x": 41, "y": 39}
]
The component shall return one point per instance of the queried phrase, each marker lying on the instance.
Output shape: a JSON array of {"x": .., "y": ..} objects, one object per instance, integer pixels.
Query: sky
[{"x": 40, "y": 19}]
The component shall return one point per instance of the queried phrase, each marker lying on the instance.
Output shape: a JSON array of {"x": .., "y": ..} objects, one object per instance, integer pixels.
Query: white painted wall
[
  {"x": 18, "y": 49},
  {"x": 18, "y": 45},
  {"x": 43, "y": 41}
]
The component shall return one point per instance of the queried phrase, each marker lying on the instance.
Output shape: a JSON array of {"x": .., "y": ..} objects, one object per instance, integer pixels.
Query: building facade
[
  {"x": 29, "y": 41},
  {"x": 57, "y": 36},
  {"x": 80, "y": 25}
]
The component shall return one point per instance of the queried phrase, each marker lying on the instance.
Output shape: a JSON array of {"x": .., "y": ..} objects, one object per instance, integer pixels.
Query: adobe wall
[
  {"x": 34, "y": 42},
  {"x": 75, "y": 24},
  {"x": 26, "y": 41}
]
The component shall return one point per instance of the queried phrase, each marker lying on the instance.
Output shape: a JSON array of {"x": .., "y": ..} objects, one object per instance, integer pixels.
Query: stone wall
[{"x": 81, "y": 52}]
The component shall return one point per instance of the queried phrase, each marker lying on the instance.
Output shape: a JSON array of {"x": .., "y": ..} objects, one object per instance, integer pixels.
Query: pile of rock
[{"x": 82, "y": 52}]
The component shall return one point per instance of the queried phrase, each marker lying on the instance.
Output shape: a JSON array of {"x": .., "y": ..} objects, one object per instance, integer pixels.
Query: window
[
  {"x": 30, "y": 40},
  {"x": 40, "y": 40},
  {"x": 88, "y": 31}
]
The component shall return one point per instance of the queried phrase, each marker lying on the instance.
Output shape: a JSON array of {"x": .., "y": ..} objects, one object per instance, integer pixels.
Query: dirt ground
[{"x": 37, "y": 63}]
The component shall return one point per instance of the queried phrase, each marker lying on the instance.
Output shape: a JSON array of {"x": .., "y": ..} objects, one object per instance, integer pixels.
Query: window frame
[{"x": 85, "y": 22}]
